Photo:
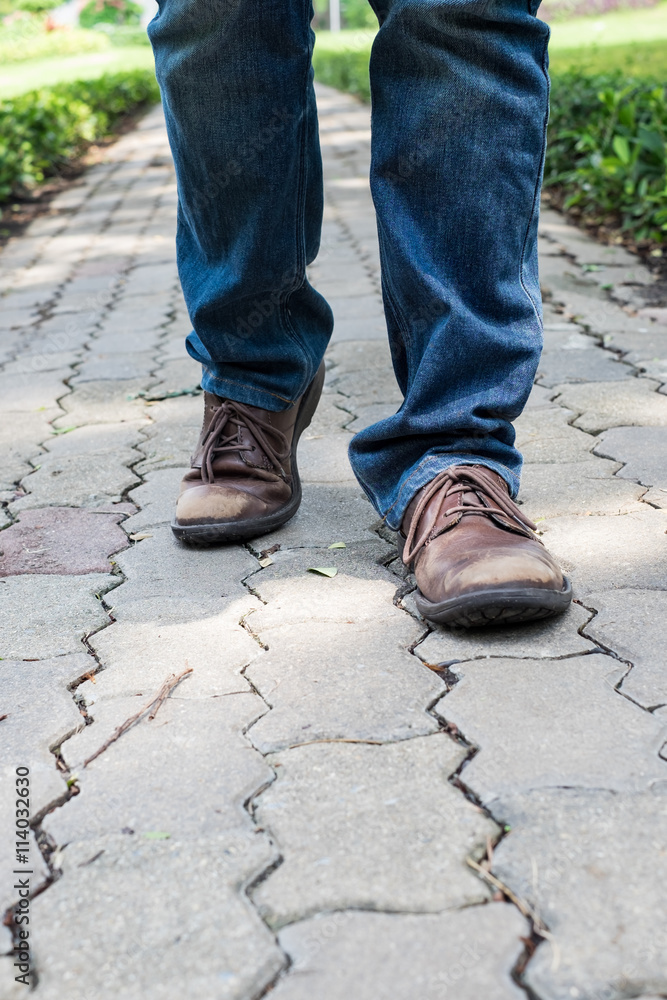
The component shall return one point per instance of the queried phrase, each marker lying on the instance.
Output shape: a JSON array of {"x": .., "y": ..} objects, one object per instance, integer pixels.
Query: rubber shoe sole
[
  {"x": 485, "y": 608},
  {"x": 214, "y": 533}
]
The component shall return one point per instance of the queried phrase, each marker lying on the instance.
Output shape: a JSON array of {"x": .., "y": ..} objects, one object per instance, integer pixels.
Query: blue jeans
[{"x": 460, "y": 91}]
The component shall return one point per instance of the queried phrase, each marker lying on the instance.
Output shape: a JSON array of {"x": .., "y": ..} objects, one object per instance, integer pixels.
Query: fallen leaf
[
  {"x": 140, "y": 535},
  {"x": 338, "y": 545},
  {"x": 323, "y": 570}
]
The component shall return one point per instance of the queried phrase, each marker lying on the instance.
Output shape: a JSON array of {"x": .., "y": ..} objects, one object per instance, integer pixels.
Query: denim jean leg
[
  {"x": 460, "y": 104},
  {"x": 238, "y": 97}
]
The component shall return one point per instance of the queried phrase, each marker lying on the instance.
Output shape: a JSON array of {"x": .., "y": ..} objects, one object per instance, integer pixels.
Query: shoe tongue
[{"x": 250, "y": 456}]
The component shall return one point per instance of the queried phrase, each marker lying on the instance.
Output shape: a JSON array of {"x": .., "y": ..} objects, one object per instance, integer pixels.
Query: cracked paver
[
  {"x": 321, "y": 770},
  {"x": 388, "y": 956},
  {"x": 395, "y": 841}
]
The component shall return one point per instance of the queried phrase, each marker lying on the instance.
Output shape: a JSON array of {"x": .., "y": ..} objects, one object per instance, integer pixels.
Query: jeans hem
[
  {"x": 241, "y": 392},
  {"x": 427, "y": 470}
]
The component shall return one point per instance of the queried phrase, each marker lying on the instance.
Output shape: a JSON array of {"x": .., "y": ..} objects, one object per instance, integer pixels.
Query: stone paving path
[{"x": 299, "y": 818}]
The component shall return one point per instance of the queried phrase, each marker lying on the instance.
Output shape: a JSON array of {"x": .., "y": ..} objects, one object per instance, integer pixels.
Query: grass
[
  {"x": 21, "y": 77},
  {"x": 615, "y": 29},
  {"x": 634, "y": 41}
]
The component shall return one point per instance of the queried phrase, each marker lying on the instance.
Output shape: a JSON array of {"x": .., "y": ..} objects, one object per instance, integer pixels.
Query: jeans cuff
[
  {"x": 428, "y": 469},
  {"x": 242, "y": 392}
]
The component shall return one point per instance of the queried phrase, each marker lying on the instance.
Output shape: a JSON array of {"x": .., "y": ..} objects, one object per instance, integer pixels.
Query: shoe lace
[
  {"x": 462, "y": 480},
  {"x": 222, "y": 436}
]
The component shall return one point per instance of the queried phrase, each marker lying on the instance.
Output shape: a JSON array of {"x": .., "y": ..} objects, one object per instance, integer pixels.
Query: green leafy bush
[
  {"x": 341, "y": 61},
  {"x": 110, "y": 12},
  {"x": 607, "y": 136},
  {"x": 44, "y": 129},
  {"x": 607, "y": 151}
]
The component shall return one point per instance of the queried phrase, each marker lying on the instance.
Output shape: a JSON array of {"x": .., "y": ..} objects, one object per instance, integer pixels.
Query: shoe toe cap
[{"x": 214, "y": 503}]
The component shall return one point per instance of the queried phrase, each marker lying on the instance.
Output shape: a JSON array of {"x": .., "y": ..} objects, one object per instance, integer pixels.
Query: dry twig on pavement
[{"x": 152, "y": 707}]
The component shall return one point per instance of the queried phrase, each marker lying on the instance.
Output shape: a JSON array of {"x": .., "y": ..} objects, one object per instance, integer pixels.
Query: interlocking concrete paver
[
  {"x": 64, "y": 540},
  {"x": 388, "y": 956},
  {"x": 396, "y": 841},
  {"x": 282, "y": 657},
  {"x": 606, "y": 553},
  {"x": 20, "y": 435},
  {"x": 40, "y": 714},
  {"x": 155, "y": 499},
  {"x": 85, "y": 480},
  {"x": 344, "y": 683},
  {"x": 327, "y": 514},
  {"x": 579, "y": 246},
  {"x": 556, "y": 637},
  {"x": 102, "y": 402},
  {"x": 547, "y": 437},
  {"x": 631, "y": 623},
  {"x": 569, "y": 728},
  {"x": 593, "y": 864},
  {"x": 138, "y": 656},
  {"x": 602, "y": 405},
  {"x": 642, "y": 449},
  {"x": 206, "y": 730},
  {"x": 208, "y": 936},
  {"x": 554, "y": 490},
  {"x": 45, "y": 616}
]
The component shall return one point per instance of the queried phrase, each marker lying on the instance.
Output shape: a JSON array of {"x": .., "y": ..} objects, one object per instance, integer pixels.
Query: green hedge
[
  {"x": 607, "y": 138},
  {"x": 341, "y": 61},
  {"x": 44, "y": 129},
  {"x": 607, "y": 151},
  {"x": 28, "y": 39}
]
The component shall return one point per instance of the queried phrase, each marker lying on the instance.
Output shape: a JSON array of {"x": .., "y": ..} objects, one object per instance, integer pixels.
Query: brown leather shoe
[
  {"x": 244, "y": 479},
  {"x": 474, "y": 554}
]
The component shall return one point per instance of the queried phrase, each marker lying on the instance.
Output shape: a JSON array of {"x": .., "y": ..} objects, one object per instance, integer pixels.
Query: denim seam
[
  {"x": 392, "y": 302},
  {"x": 538, "y": 185},
  {"x": 253, "y": 388},
  {"x": 300, "y": 215}
]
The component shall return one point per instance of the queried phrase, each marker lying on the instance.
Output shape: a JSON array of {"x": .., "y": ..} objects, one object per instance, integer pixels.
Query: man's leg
[
  {"x": 237, "y": 91},
  {"x": 460, "y": 98},
  {"x": 460, "y": 104}
]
